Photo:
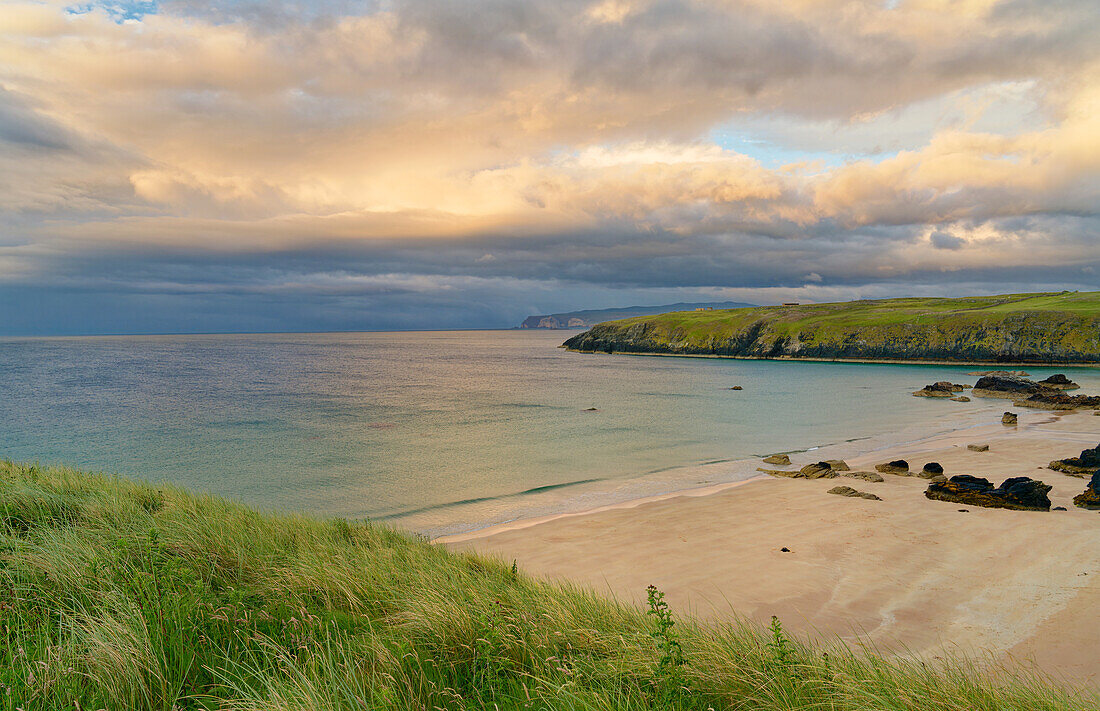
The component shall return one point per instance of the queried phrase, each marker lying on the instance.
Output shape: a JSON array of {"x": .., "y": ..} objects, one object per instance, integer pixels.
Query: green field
[
  {"x": 115, "y": 595},
  {"x": 1012, "y": 328}
]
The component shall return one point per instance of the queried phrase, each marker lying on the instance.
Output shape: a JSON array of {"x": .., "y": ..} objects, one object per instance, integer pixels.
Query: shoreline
[
  {"x": 685, "y": 478},
  {"x": 521, "y": 523},
  {"x": 882, "y": 361},
  {"x": 907, "y": 574}
]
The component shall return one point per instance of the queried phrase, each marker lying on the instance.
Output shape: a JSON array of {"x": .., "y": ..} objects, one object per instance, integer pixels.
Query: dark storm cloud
[
  {"x": 943, "y": 240},
  {"x": 20, "y": 126}
]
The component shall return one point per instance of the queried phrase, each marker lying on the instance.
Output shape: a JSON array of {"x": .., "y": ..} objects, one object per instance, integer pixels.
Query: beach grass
[{"x": 122, "y": 595}]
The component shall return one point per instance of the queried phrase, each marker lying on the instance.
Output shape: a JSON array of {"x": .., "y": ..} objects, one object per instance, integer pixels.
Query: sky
[{"x": 187, "y": 166}]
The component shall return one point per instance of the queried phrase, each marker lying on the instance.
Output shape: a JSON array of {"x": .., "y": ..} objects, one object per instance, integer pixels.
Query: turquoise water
[{"x": 437, "y": 431}]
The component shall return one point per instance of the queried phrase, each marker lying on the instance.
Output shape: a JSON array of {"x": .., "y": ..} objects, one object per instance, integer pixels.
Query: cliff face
[{"x": 1024, "y": 328}]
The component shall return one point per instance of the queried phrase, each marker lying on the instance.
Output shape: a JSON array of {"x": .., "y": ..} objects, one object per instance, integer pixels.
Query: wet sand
[{"x": 906, "y": 574}]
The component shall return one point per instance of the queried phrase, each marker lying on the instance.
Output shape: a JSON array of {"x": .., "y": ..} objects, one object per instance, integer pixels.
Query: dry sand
[{"x": 905, "y": 573}]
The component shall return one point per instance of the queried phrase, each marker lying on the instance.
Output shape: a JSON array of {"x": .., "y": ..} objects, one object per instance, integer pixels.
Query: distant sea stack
[
  {"x": 1013, "y": 328},
  {"x": 589, "y": 318}
]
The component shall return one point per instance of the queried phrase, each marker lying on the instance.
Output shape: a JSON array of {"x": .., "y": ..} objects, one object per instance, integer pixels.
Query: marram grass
[{"x": 116, "y": 595}]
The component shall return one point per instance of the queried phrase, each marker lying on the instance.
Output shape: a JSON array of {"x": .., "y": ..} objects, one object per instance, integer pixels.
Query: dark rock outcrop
[
  {"x": 1085, "y": 465},
  {"x": 1059, "y": 382},
  {"x": 1057, "y": 400},
  {"x": 931, "y": 469},
  {"x": 777, "y": 459},
  {"x": 898, "y": 466},
  {"x": 849, "y": 491},
  {"x": 1045, "y": 395},
  {"x": 1019, "y": 493},
  {"x": 1090, "y": 497},
  {"x": 1005, "y": 386},
  {"x": 1009, "y": 418},
  {"x": 818, "y": 470},
  {"x": 941, "y": 389}
]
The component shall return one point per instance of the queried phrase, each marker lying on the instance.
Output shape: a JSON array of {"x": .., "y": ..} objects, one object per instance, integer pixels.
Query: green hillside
[
  {"x": 123, "y": 596},
  {"x": 1018, "y": 328}
]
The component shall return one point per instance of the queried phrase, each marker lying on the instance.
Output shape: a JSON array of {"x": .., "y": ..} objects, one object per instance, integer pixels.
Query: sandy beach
[{"x": 905, "y": 573}]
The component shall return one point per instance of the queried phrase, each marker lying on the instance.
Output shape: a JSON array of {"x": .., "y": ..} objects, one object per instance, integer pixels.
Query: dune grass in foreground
[{"x": 115, "y": 595}]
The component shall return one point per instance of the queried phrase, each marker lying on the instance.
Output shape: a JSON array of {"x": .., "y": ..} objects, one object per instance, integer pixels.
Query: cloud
[
  {"x": 944, "y": 240},
  {"x": 588, "y": 146}
]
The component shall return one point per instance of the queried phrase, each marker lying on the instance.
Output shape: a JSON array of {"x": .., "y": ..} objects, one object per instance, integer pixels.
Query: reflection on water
[{"x": 435, "y": 430}]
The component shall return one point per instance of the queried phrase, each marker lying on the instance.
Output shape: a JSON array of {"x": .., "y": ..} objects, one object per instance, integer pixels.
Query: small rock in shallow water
[
  {"x": 940, "y": 389},
  {"x": 964, "y": 510},
  {"x": 849, "y": 491},
  {"x": 785, "y": 549},
  {"x": 1009, "y": 418},
  {"x": 1059, "y": 508},
  {"x": 777, "y": 459},
  {"x": 737, "y": 387},
  {"x": 961, "y": 398},
  {"x": 978, "y": 447},
  {"x": 1005, "y": 386}
]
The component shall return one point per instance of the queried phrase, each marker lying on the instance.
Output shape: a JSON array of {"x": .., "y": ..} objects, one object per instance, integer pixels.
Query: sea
[{"x": 444, "y": 432}]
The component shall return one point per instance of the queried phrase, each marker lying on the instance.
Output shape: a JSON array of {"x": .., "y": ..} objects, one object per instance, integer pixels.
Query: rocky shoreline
[
  {"x": 1021, "y": 493},
  {"x": 1048, "y": 394}
]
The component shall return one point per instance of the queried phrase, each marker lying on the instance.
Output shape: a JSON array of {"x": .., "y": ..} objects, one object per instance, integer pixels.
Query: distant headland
[
  {"x": 590, "y": 317},
  {"x": 1055, "y": 327}
]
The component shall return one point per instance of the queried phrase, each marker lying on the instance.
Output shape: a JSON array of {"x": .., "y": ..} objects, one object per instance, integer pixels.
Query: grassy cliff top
[
  {"x": 1027, "y": 328},
  {"x": 115, "y": 595},
  {"x": 879, "y": 312}
]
